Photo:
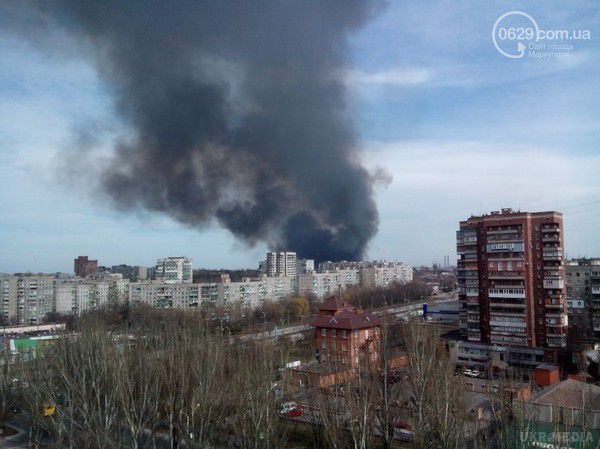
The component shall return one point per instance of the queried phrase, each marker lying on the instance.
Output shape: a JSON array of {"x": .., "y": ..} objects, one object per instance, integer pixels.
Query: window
[
  {"x": 344, "y": 334},
  {"x": 323, "y": 332},
  {"x": 324, "y": 344},
  {"x": 367, "y": 334},
  {"x": 334, "y": 332}
]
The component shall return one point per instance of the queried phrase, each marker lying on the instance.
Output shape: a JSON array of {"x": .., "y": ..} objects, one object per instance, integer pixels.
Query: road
[{"x": 399, "y": 311}]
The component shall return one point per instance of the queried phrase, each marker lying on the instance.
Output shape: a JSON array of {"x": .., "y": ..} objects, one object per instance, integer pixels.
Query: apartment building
[
  {"x": 511, "y": 279},
  {"x": 305, "y": 266},
  {"x": 84, "y": 266},
  {"x": 133, "y": 273},
  {"x": 181, "y": 295},
  {"x": 8, "y": 304},
  {"x": 344, "y": 334},
  {"x": 583, "y": 288},
  {"x": 34, "y": 297},
  {"x": 174, "y": 270},
  {"x": 328, "y": 283},
  {"x": 486, "y": 358},
  {"x": 281, "y": 263},
  {"x": 75, "y": 296},
  {"x": 383, "y": 274},
  {"x": 253, "y": 292}
]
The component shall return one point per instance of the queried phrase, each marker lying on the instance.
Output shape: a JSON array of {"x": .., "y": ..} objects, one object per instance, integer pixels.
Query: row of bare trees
[
  {"x": 151, "y": 387},
  {"x": 168, "y": 382}
]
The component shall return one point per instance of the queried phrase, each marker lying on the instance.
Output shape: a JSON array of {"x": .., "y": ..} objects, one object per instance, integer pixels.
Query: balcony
[
  {"x": 557, "y": 284},
  {"x": 552, "y": 254},
  {"x": 507, "y": 275},
  {"x": 595, "y": 289},
  {"x": 556, "y": 342},
  {"x": 508, "y": 305},
  {"x": 553, "y": 304},
  {"x": 513, "y": 247},
  {"x": 507, "y": 324},
  {"x": 509, "y": 293},
  {"x": 474, "y": 336},
  {"x": 550, "y": 228},
  {"x": 550, "y": 238}
]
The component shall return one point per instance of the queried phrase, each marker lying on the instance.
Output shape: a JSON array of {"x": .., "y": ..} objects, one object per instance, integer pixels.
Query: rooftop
[
  {"x": 346, "y": 319},
  {"x": 570, "y": 393}
]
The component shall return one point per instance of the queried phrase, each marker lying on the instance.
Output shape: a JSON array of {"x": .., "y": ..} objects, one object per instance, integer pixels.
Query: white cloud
[
  {"x": 406, "y": 76},
  {"x": 438, "y": 183}
]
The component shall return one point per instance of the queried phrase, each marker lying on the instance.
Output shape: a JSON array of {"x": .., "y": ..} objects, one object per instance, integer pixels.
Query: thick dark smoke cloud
[{"x": 238, "y": 114}]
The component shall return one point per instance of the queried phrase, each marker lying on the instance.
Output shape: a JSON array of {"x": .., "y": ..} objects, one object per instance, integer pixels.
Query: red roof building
[{"x": 346, "y": 335}]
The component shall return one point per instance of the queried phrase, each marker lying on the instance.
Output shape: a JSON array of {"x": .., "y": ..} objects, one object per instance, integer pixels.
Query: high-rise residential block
[
  {"x": 281, "y": 263},
  {"x": 174, "y": 269},
  {"x": 83, "y": 266},
  {"x": 583, "y": 294},
  {"x": 8, "y": 304},
  {"x": 133, "y": 273},
  {"x": 383, "y": 274},
  {"x": 305, "y": 266},
  {"x": 75, "y": 296},
  {"x": 512, "y": 279},
  {"x": 35, "y": 298}
]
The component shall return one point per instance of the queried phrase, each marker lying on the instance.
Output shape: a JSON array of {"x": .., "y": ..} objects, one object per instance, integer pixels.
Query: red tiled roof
[{"x": 346, "y": 319}]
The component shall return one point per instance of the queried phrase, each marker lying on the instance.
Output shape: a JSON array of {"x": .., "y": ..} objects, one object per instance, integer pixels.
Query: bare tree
[
  {"x": 9, "y": 384},
  {"x": 436, "y": 396},
  {"x": 257, "y": 423}
]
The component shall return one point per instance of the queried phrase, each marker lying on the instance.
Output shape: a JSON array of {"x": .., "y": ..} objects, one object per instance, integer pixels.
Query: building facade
[
  {"x": 35, "y": 298},
  {"x": 8, "y": 306},
  {"x": 133, "y": 273},
  {"x": 512, "y": 280},
  {"x": 345, "y": 335},
  {"x": 166, "y": 295},
  {"x": 76, "y": 296},
  {"x": 321, "y": 285},
  {"x": 281, "y": 263},
  {"x": 83, "y": 266},
  {"x": 583, "y": 295},
  {"x": 383, "y": 274},
  {"x": 174, "y": 270}
]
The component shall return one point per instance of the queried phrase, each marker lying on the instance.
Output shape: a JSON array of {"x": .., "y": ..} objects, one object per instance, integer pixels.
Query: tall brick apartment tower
[{"x": 511, "y": 279}]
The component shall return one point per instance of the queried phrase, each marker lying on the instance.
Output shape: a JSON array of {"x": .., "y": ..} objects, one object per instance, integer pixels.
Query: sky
[{"x": 457, "y": 128}]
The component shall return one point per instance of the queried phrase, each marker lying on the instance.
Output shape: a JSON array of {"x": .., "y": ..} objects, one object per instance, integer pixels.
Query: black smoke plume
[{"x": 237, "y": 111}]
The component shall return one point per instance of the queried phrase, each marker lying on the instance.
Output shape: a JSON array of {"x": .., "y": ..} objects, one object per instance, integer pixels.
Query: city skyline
[{"x": 450, "y": 127}]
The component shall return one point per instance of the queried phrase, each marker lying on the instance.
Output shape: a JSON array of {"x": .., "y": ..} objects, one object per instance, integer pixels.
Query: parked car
[
  {"x": 286, "y": 407},
  {"x": 295, "y": 413},
  {"x": 472, "y": 373}
]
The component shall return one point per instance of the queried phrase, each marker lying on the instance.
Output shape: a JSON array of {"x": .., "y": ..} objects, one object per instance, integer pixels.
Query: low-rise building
[
  {"x": 566, "y": 414},
  {"x": 494, "y": 358},
  {"x": 346, "y": 340}
]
